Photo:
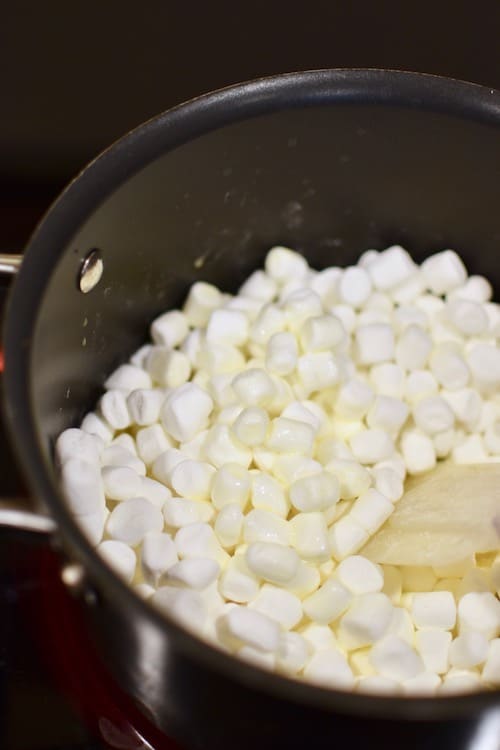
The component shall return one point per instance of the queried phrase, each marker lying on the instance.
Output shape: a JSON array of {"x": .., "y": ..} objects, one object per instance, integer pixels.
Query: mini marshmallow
[
  {"x": 237, "y": 583},
  {"x": 393, "y": 583},
  {"x": 479, "y": 611},
  {"x": 394, "y": 658},
  {"x": 387, "y": 414},
  {"x": 144, "y": 406},
  {"x": 215, "y": 359},
  {"x": 168, "y": 367},
  {"x": 151, "y": 442},
  {"x": 82, "y": 486},
  {"x": 132, "y": 519},
  {"x": 366, "y": 621},
  {"x": 346, "y": 537},
  {"x": 309, "y": 536},
  {"x": 374, "y": 343},
  {"x": 119, "y": 556},
  {"x": 75, "y": 443},
  {"x": 192, "y": 479},
  {"x": 329, "y": 668},
  {"x": 371, "y": 446},
  {"x": 388, "y": 483},
  {"x": 127, "y": 378},
  {"x": 272, "y": 562},
  {"x": 346, "y": 315},
  {"x": 194, "y": 572},
  {"x": 423, "y": 684},
  {"x": 283, "y": 264},
  {"x": 293, "y": 652},
  {"x": 354, "y": 399},
  {"x": 254, "y": 387},
  {"x": 300, "y": 304},
  {"x": 469, "y": 650},
  {"x": 201, "y": 301},
  {"x": 262, "y": 526},
  {"x": 484, "y": 363},
  {"x": 259, "y": 286},
  {"x": 182, "y": 605},
  {"x": 475, "y": 289},
  {"x": 402, "y": 626},
  {"x": 359, "y": 575},
  {"x": 282, "y": 353},
  {"x": 377, "y": 685},
  {"x": 466, "y": 404},
  {"x": 353, "y": 478},
  {"x": 449, "y": 368},
  {"x": 158, "y": 554},
  {"x": 354, "y": 286},
  {"x": 186, "y": 411},
  {"x": 468, "y": 317},
  {"x": 371, "y": 510},
  {"x": 470, "y": 450},
  {"x": 116, "y": 455},
  {"x": 246, "y": 626},
  {"x": 418, "y": 451},
  {"x": 290, "y": 436},
  {"x": 388, "y": 379},
  {"x": 433, "y": 646},
  {"x": 434, "y": 609},
  {"x": 228, "y": 327},
  {"x": 120, "y": 482},
  {"x": 228, "y": 525},
  {"x": 94, "y": 425},
  {"x": 491, "y": 670},
  {"x": 164, "y": 464},
  {"x": 433, "y": 415},
  {"x": 220, "y": 448},
  {"x": 413, "y": 348},
  {"x": 443, "y": 272},
  {"x": 114, "y": 409},
  {"x": 322, "y": 333},
  {"x": 315, "y": 492},
  {"x": 328, "y": 603},
  {"x": 390, "y": 268},
  {"x": 267, "y": 494},
  {"x": 169, "y": 329},
  {"x": 318, "y": 371},
  {"x": 279, "y": 605},
  {"x": 138, "y": 358},
  {"x": 124, "y": 440}
]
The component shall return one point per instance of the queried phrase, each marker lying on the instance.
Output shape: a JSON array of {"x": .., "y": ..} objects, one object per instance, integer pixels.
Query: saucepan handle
[{"x": 17, "y": 512}]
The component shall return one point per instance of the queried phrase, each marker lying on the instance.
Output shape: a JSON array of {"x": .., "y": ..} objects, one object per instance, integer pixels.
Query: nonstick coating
[{"x": 328, "y": 162}]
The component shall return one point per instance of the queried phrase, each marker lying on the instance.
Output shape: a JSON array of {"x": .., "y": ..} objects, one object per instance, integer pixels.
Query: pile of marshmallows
[{"x": 234, "y": 468}]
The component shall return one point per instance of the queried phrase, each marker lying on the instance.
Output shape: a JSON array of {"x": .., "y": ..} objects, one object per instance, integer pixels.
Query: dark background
[{"x": 76, "y": 75}]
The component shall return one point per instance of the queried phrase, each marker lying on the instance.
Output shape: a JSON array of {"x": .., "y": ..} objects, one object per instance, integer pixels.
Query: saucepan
[{"x": 329, "y": 162}]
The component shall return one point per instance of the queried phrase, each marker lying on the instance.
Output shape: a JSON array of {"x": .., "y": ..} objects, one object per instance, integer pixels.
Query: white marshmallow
[
  {"x": 463, "y": 682},
  {"x": 377, "y": 685},
  {"x": 491, "y": 670},
  {"x": 246, "y": 626},
  {"x": 317, "y": 371},
  {"x": 306, "y": 411},
  {"x": 183, "y": 605},
  {"x": 413, "y": 348},
  {"x": 192, "y": 479},
  {"x": 199, "y": 540},
  {"x": 94, "y": 425},
  {"x": 371, "y": 446},
  {"x": 423, "y": 684},
  {"x": 300, "y": 304},
  {"x": 325, "y": 605},
  {"x": 402, "y": 626},
  {"x": 354, "y": 286},
  {"x": 329, "y": 668},
  {"x": 254, "y": 387},
  {"x": 449, "y": 367},
  {"x": 113, "y": 407},
  {"x": 158, "y": 554},
  {"x": 346, "y": 537},
  {"x": 394, "y": 658},
  {"x": 354, "y": 399},
  {"x": 466, "y": 404},
  {"x": 316, "y": 492},
  {"x": 164, "y": 464},
  {"x": 220, "y": 448},
  {"x": 138, "y": 358},
  {"x": 353, "y": 478},
  {"x": 75, "y": 443},
  {"x": 309, "y": 536},
  {"x": 479, "y": 611},
  {"x": 151, "y": 442},
  {"x": 359, "y": 575},
  {"x": 272, "y": 562},
  {"x": 389, "y": 483},
  {"x": 290, "y": 436},
  {"x": 237, "y": 582},
  {"x": 186, "y": 411},
  {"x": 228, "y": 327},
  {"x": 168, "y": 367},
  {"x": 388, "y": 379},
  {"x": 263, "y": 526},
  {"x": 191, "y": 347},
  {"x": 468, "y": 650},
  {"x": 325, "y": 332},
  {"x": 476, "y": 289},
  {"x": 127, "y": 378},
  {"x": 120, "y": 482},
  {"x": 144, "y": 406},
  {"x": 169, "y": 329},
  {"x": 231, "y": 484},
  {"x": 201, "y": 301},
  {"x": 366, "y": 621},
  {"x": 259, "y": 286},
  {"x": 229, "y": 525},
  {"x": 293, "y": 652},
  {"x": 433, "y": 646},
  {"x": 282, "y": 353},
  {"x": 387, "y": 414},
  {"x": 434, "y": 609},
  {"x": 82, "y": 486},
  {"x": 390, "y": 268},
  {"x": 125, "y": 440},
  {"x": 443, "y": 272},
  {"x": 194, "y": 572},
  {"x": 470, "y": 450},
  {"x": 283, "y": 264},
  {"x": 371, "y": 510},
  {"x": 116, "y": 455},
  {"x": 433, "y": 415},
  {"x": 270, "y": 320},
  {"x": 268, "y": 494},
  {"x": 132, "y": 519},
  {"x": 279, "y": 605},
  {"x": 346, "y": 315},
  {"x": 215, "y": 359},
  {"x": 468, "y": 317},
  {"x": 374, "y": 343},
  {"x": 484, "y": 363},
  {"x": 418, "y": 451},
  {"x": 119, "y": 556}
]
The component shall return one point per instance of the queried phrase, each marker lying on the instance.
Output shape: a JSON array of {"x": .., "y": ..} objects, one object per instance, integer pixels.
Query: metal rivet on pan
[
  {"x": 72, "y": 575},
  {"x": 90, "y": 271}
]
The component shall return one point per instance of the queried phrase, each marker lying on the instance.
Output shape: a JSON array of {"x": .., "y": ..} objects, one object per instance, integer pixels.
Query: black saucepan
[{"x": 329, "y": 162}]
